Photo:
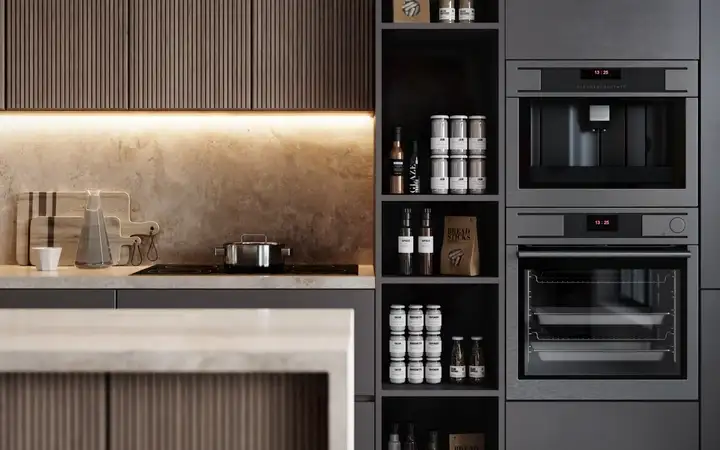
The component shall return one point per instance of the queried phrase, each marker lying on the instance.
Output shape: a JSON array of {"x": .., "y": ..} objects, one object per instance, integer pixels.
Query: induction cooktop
[{"x": 288, "y": 269}]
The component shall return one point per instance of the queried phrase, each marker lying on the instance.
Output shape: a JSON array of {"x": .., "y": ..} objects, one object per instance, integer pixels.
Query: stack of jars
[
  {"x": 413, "y": 346},
  {"x": 457, "y": 155}
]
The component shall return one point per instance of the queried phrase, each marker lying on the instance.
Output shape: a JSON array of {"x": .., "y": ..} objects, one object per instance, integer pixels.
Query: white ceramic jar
[
  {"x": 415, "y": 345},
  {"x": 397, "y": 345},
  {"x": 415, "y": 319},
  {"x": 433, "y": 371},
  {"x": 398, "y": 318},
  {"x": 433, "y": 345},
  {"x": 397, "y": 371},
  {"x": 415, "y": 371},
  {"x": 433, "y": 318}
]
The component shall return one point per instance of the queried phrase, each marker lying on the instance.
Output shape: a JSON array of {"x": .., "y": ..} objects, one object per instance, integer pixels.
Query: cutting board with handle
[{"x": 65, "y": 232}]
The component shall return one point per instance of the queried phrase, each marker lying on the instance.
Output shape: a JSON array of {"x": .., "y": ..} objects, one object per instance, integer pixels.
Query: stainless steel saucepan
[{"x": 253, "y": 251}]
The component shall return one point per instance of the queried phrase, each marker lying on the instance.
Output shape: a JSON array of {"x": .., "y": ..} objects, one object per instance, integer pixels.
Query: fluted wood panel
[
  {"x": 52, "y": 412},
  {"x": 66, "y": 54},
  {"x": 190, "y": 54},
  {"x": 219, "y": 412},
  {"x": 313, "y": 54}
]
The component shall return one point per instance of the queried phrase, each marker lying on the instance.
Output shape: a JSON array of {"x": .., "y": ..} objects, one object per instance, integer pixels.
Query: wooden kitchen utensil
[{"x": 65, "y": 232}]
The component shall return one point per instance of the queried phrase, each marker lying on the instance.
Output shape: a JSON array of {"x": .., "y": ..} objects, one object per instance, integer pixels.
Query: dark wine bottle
[{"x": 406, "y": 244}]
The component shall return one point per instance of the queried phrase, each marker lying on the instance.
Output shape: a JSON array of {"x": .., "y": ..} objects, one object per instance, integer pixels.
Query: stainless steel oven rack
[
  {"x": 556, "y": 280},
  {"x": 534, "y": 335}
]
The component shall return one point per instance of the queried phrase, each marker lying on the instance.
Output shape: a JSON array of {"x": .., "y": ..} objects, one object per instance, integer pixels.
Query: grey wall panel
[
  {"x": 2, "y": 54},
  {"x": 710, "y": 147},
  {"x": 66, "y": 54},
  {"x": 190, "y": 54},
  {"x": 52, "y": 412},
  {"x": 709, "y": 370},
  {"x": 56, "y": 298},
  {"x": 223, "y": 412},
  {"x": 313, "y": 54}
]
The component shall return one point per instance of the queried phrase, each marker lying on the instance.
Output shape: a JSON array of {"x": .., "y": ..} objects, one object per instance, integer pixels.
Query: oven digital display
[
  {"x": 600, "y": 74},
  {"x": 604, "y": 222}
]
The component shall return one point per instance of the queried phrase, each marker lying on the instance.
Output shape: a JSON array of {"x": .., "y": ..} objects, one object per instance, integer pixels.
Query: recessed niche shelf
[{"x": 441, "y": 26}]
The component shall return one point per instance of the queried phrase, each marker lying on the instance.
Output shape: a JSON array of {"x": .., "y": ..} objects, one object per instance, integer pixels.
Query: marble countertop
[
  {"x": 23, "y": 277},
  {"x": 209, "y": 341}
]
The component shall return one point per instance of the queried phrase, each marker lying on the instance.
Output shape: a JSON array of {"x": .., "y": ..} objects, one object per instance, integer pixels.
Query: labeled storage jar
[
  {"x": 458, "y": 135},
  {"x": 439, "y": 135},
  {"x": 397, "y": 371},
  {"x": 415, "y": 345},
  {"x": 466, "y": 11},
  {"x": 398, "y": 318},
  {"x": 477, "y": 143},
  {"x": 433, "y": 318},
  {"x": 458, "y": 174},
  {"x": 415, "y": 318},
  {"x": 397, "y": 345},
  {"x": 433, "y": 345},
  {"x": 446, "y": 11},
  {"x": 415, "y": 371},
  {"x": 477, "y": 183},
  {"x": 439, "y": 174},
  {"x": 433, "y": 371}
]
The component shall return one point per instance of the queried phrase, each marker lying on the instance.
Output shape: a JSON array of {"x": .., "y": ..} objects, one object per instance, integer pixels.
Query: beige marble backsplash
[{"x": 306, "y": 181}]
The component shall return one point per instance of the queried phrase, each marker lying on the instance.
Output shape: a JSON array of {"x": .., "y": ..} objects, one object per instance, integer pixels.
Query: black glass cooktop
[{"x": 288, "y": 269}]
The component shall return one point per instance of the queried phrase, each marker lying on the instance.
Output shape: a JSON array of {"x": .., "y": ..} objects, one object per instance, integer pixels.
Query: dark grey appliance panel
[
  {"x": 364, "y": 426},
  {"x": 613, "y": 29},
  {"x": 710, "y": 369},
  {"x": 57, "y": 298},
  {"x": 362, "y": 302},
  {"x": 602, "y": 426}
]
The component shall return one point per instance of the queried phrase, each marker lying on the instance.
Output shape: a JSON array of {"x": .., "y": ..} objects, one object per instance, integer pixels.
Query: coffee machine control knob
[{"x": 677, "y": 225}]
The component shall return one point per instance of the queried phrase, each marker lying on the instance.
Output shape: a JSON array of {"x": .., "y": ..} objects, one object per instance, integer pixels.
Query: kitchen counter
[
  {"x": 190, "y": 341},
  {"x": 22, "y": 277}
]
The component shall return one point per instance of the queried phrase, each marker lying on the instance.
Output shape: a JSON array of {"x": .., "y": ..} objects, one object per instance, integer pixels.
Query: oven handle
[{"x": 601, "y": 254}]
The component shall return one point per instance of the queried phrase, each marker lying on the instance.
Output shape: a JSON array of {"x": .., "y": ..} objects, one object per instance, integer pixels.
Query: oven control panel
[{"x": 523, "y": 224}]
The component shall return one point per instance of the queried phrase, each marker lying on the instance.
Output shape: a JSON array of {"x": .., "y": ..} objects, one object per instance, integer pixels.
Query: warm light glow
[{"x": 24, "y": 122}]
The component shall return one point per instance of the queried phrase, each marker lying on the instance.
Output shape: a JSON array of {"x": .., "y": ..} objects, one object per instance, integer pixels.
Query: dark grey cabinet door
[
  {"x": 602, "y": 426},
  {"x": 190, "y": 54},
  {"x": 365, "y": 426},
  {"x": 66, "y": 54},
  {"x": 710, "y": 369},
  {"x": 61, "y": 298},
  {"x": 611, "y": 29},
  {"x": 313, "y": 54},
  {"x": 361, "y": 301}
]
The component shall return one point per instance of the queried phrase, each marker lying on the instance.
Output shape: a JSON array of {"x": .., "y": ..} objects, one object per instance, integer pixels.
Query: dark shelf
[
  {"x": 436, "y": 390},
  {"x": 441, "y": 26},
  {"x": 440, "y": 279},
  {"x": 438, "y": 198}
]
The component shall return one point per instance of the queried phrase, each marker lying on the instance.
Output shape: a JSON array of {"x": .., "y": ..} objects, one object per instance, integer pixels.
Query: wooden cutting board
[
  {"x": 65, "y": 232},
  {"x": 71, "y": 204}
]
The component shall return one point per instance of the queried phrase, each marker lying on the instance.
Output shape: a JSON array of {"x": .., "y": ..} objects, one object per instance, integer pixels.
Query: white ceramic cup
[{"x": 47, "y": 257}]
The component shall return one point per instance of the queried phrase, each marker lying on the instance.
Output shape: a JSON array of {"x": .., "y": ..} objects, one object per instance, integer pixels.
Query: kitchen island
[{"x": 103, "y": 347}]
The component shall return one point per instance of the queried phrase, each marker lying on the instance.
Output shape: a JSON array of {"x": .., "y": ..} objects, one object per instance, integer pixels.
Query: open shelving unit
[{"x": 421, "y": 70}]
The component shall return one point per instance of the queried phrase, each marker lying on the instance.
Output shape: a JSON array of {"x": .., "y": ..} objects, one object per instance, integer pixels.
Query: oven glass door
[{"x": 602, "y": 313}]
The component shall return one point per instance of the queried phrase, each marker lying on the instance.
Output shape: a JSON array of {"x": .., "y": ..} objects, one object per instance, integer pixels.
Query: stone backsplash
[{"x": 305, "y": 180}]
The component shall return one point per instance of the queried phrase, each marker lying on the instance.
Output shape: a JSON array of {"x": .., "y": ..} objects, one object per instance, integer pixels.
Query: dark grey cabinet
[
  {"x": 602, "y": 426},
  {"x": 60, "y": 298},
  {"x": 611, "y": 29},
  {"x": 313, "y": 54},
  {"x": 190, "y": 54},
  {"x": 66, "y": 54},
  {"x": 361, "y": 301},
  {"x": 710, "y": 369},
  {"x": 364, "y": 426}
]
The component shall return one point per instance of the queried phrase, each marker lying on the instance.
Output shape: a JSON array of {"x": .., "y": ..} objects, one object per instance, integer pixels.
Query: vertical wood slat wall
[
  {"x": 190, "y": 54},
  {"x": 52, "y": 412},
  {"x": 313, "y": 54},
  {"x": 66, "y": 54},
  {"x": 218, "y": 412}
]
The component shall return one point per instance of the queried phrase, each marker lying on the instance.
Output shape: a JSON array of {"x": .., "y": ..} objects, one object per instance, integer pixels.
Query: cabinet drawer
[
  {"x": 62, "y": 298},
  {"x": 361, "y": 301},
  {"x": 602, "y": 426},
  {"x": 613, "y": 29}
]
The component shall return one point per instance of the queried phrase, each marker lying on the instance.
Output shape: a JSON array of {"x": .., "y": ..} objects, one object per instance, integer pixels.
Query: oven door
[
  {"x": 602, "y": 322},
  {"x": 627, "y": 140}
]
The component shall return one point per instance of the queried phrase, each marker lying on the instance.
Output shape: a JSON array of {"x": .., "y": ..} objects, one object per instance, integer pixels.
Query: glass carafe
[{"x": 94, "y": 247}]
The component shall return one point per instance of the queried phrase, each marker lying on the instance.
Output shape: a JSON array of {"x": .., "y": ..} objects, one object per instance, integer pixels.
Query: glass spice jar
[{"x": 457, "y": 361}]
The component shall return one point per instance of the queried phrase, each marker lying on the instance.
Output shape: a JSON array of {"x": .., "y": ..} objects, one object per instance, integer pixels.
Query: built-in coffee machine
[{"x": 602, "y": 133}]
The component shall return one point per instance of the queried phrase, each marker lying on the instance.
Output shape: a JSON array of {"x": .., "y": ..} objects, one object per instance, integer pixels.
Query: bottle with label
[
  {"x": 394, "y": 441},
  {"x": 433, "y": 371},
  {"x": 433, "y": 318},
  {"x": 405, "y": 244},
  {"x": 398, "y": 318},
  {"x": 477, "y": 361},
  {"x": 457, "y": 361},
  {"x": 398, "y": 345},
  {"x": 415, "y": 345},
  {"x": 446, "y": 11},
  {"x": 415, "y": 371},
  {"x": 433, "y": 441},
  {"x": 413, "y": 174},
  {"x": 398, "y": 373},
  {"x": 426, "y": 246},
  {"x": 415, "y": 318},
  {"x": 397, "y": 165}
]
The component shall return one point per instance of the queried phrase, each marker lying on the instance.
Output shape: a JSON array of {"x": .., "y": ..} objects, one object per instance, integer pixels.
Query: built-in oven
[
  {"x": 602, "y": 304},
  {"x": 602, "y": 133}
]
